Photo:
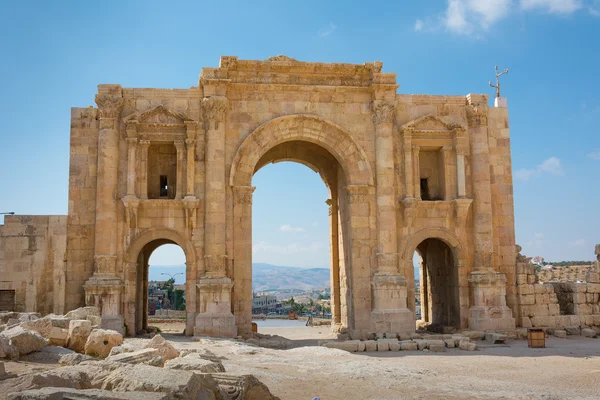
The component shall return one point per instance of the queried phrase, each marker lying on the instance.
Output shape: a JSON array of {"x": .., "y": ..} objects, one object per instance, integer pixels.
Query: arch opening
[{"x": 437, "y": 287}]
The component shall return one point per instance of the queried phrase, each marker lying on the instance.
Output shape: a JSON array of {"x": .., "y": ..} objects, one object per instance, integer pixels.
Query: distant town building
[{"x": 263, "y": 304}]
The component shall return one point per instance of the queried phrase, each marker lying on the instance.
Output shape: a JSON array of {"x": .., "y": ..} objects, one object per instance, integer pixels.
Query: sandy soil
[{"x": 566, "y": 369}]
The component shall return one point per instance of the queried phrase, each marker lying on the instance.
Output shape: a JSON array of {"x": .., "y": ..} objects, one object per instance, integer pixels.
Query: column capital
[
  {"x": 179, "y": 145},
  {"x": 383, "y": 112},
  {"x": 215, "y": 108},
  {"x": 190, "y": 142},
  {"x": 144, "y": 143},
  {"x": 243, "y": 194},
  {"x": 109, "y": 105},
  {"x": 415, "y": 148},
  {"x": 477, "y": 115},
  {"x": 447, "y": 148},
  {"x": 131, "y": 141}
]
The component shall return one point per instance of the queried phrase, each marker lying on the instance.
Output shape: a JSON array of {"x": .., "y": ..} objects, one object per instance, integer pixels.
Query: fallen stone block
[
  {"x": 573, "y": 330},
  {"x": 473, "y": 335},
  {"x": 3, "y": 374},
  {"x": 383, "y": 346},
  {"x": 412, "y": 346},
  {"x": 495, "y": 338},
  {"x": 134, "y": 357},
  {"x": 83, "y": 312},
  {"x": 60, "y": 322},
  {"x": 58, "y": 337},
  {"x": 58, "y": 393},
  {"x": 79, "y": 330},
  {"x": 128, "y": 348},
  {"x": 73, "y": 359},
  {"x": 588, "y": 332},
  {"x": 560, "y": 333},
  {"x": 450, "y": 343},
  {"x": 244, "y": 387},
  {"x": 194, "y": 362},
  {"x": 28, "y": 316},
  {"x": 421, "y": 344},
  {"x": 5, "y": 316},
  {"x": 101, "y": 341},
  {"x": 24, "y": 340},
  {"x": 435, "y": 343},
  {"x": 49, "y": 354},
  {"x": 7, "y": 350},
  {"x": 165, "y": 349},
  {"x": 42, "y": 326},
  {"x": 361, "y": 345},
  {"x": 438, "y": 348},
  {"x": 468, "y": 346},
  {"x": 370, "y": 345},
  {"x": 180, "y": 384},
  {"x": 394, "y": 346}
]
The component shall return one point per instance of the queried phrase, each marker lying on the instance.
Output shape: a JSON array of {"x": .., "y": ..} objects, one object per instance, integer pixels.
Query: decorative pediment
[
  {"x": 159, "y": 115},
  {"x": 431, "y": 123}
]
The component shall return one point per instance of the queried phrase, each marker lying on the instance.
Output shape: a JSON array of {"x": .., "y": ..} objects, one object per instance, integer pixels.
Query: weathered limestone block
[
  {"x": 91, "y": 394},
  {"x": 495, "y": 338},
  {"x": 79, "y": 330},
  {"x": 244, "y": 387},
  {"x": 58, "y": 337},
  {"x": 543, "y": 322},
  {"x": 73, "y": 359},
  {"x": 135, "y": 357},
  {"x": 450, "y": 343},
  {"x": 83, "y": 313},
  {"x": 350, "y": 346},
  {"x": 370, "y": 345},
  {"x": 6, "y": 316},
  {"x": 412, "y": 346},
  {"x": 394, "y": 346},
  {"x": 42, "y": 326},
  {"x": 24, "y": 340},
  {"x": 180, "y": 384},
  {"x": 127, "y": 348},
  {"x": 60, "y": 322},
  {"x": 383, "y": 346},
  {"x": 49, "y": 354},
  {"x": 165, "y": 349},
  {"x": 560, "y": 333},
  {"x": 573, "y": 330},
  {"x": 194, "y": 362},
  {"x": 489, "y": 310},
  {"x": 473, "y": 335},
  {"x": 7, "y": 350},
  {"x": 437, "y": 348},
  {"x": 468, "y": 346},
  {"x": 588, "y": 332},
  {"x": 101, "y": 341}
]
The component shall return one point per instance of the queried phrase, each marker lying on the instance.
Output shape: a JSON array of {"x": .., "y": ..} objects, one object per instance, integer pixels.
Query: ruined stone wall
[
  {"x": 556, "y": 305},
  {"x": 32, "y": 252}
]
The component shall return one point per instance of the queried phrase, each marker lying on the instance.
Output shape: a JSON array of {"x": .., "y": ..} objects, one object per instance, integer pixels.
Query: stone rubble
[
  {"x": 101, "y": 341},
  {"x": 434, "y": 343}
]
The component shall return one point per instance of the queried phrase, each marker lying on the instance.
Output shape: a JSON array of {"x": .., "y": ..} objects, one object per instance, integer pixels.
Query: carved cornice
[
  {"x": 145, "y": 143},
  {"x": 281, "y": 57},
  {"x": 215, "y": 108},
  {"x": 89, "y": 113},
  {"x": 131, "y": 141},
  {"x": 243, "y": 194},
  {"x": 477, "y": 116},
  {"x": 109, "y": 106},
  {"x": 383, "y": 112},
  {"x": 431, "y": 124}
]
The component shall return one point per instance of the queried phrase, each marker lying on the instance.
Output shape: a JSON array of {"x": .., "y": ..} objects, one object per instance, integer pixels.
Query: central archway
[{"x": 331, "y": 151}]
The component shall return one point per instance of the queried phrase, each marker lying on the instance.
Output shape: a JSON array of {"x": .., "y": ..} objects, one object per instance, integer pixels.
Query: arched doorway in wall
[
  {"x": 139, "y": 258},
  {"x": 166, "y": 292},
  {"x": 437, "y": 285}
]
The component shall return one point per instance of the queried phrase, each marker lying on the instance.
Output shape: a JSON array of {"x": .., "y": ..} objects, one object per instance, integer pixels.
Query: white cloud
[
  {"x": 539, "y": 236},
  {"x": 551, "y": 165},
  {"x": 327, "y": 30},
  {"x": 594, "y": 155},
  {"x": 578, "y": 243},
  {"x": 289, "y": 228},
  {"x": 552, "y": 6},
  {"x": 418, "y": 25},
  {"x": 472, "y": 17},
  {"x": 594, "y": 8}
]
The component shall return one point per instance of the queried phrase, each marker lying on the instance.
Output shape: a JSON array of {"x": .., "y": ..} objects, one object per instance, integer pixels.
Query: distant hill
[{"x": 264, "y": 276}]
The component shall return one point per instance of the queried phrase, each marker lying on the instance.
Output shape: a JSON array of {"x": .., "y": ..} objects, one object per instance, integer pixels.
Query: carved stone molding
[
  {"x": 104, "y": 264},
  {"x": 410, "y": 205},
  {"x": 280, "y": 57},
  {"x": 131, "y": 128},
  {"x": 215, "y": 265},
  {"x": 387, "y": 262},
  {"x": 131, "y": 204},
  {"x": 89, "y": 113},
  {"x": 358, "y": 193},
  {"x": 215, "y": 108},
  {"x": 190, "y": 205},
  {"x": 109, "y": 106},
  {"x": 383, "y": 112},
  {"x": 243, "y": 194},
  {"x": 477, "y": 116}
]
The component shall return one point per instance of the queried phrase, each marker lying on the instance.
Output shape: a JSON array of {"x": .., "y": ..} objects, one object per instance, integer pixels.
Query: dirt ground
[{"x": 566, "y": 369}]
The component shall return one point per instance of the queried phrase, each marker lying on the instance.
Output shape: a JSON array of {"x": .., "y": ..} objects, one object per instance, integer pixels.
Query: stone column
[
  {"x": 446, "y": 154},
  {"x": 104, "y": 288},
  {"x": 131, "y": 178},
  {"x": 408, "y": 165},
  {"x": 191, "y": 148},
  {"x": 144, "y": 145},
  {"x": 335, "y": 260},
  {"x": 215, "y": 317},
  {"x": 480, "y": 177},
  {"x": 417, "y": 171},
  {"x": 390, "y": 314},
  {"x": 460, "y": 172},
  {"x": 242, "y": 250},
  {"x": 179, "y": 145}
]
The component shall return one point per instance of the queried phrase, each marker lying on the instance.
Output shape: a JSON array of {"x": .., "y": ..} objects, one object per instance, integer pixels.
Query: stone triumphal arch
[{"x": 405, "y": 173}]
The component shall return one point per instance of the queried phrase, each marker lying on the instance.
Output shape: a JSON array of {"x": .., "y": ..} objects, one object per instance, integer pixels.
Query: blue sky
[{"x": 55, "y": 53}]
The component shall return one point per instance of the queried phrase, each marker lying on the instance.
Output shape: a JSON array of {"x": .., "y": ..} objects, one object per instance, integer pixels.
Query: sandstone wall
[{"x": 32, "y": 252}]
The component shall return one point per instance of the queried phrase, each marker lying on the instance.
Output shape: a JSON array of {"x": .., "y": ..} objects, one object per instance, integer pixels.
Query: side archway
[{"x": 136, "y": 276}]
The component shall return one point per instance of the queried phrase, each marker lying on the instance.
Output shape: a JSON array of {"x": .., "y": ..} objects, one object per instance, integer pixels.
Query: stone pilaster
[
  {"x": 416, "y": 171},
  {"x": 446, "y": 154},
  {"x": 488, "y": 301},
  {"x": 335, "y": 261},
  {"x": 242, "y": 250},
  {"x": 144, "y": 145},
  {"x": 104, "y": 288},
  {"x": 179, "y": 146},
  {"x": 477, "y": 114},
  {"x": 190, "y": 168},
  {"x": 131, "y": 149},
  {"x": 215, "y": 109},
  {"x": 460, "y": 172},
  {"x": 408, "y": 165}
]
